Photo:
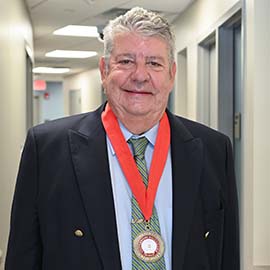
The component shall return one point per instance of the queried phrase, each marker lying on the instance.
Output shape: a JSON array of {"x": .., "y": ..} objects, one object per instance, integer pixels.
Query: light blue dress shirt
[{"x": 122, "y": 199}]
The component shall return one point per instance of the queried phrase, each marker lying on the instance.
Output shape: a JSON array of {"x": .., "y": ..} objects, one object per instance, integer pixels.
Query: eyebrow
[
  {"x": 160, "y": 58},
  {"x": 129, "y": 55},
  {"x": 133, "y": 56}
]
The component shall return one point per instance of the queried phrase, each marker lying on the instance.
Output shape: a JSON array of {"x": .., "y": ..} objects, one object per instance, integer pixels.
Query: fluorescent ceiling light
[
  {"x": 77, "y": 31},
  {"x": 71, "y": 54},
  {"x": 50, "y": 70}
]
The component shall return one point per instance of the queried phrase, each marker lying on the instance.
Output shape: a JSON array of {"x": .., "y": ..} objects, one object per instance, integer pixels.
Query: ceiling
[{"x": 49, "y": 15}]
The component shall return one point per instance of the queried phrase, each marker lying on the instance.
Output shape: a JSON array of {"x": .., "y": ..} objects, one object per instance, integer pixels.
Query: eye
[
  {"x": 154, "y": 64},
  {"x": 125, "y": 61}
]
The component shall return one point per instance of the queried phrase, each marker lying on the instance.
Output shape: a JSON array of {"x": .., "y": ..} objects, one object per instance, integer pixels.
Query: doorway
[{"x": 75, "y": 101}]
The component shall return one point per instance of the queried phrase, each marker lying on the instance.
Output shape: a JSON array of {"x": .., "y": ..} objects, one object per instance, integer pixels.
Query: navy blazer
[{"x": 64, "y": 185}]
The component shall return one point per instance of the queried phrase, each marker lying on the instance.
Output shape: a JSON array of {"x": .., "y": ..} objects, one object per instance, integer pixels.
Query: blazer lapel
[
  {"x": 89, "y": 155},
  {"x": 186, "y": 169}
]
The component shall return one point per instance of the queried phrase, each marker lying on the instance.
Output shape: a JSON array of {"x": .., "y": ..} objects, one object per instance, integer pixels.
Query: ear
[
  {"x": 102, "y": 68},
  {"x": 172, "y": 75},
  {"x": 173, "y": 71}
]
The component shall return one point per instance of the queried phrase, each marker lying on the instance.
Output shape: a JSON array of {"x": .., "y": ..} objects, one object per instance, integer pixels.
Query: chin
[{"x": 138, "y": 111}]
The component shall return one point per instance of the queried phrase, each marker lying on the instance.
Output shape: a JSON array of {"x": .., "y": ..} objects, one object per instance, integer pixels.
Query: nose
[{"x": 140, "y": 73}]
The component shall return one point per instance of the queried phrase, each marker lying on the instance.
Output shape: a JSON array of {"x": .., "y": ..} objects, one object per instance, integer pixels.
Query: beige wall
[
  {"x": 192, "y": 26},
  {"x": 196, "y": 23},
  {"x": 256, "y": 214},
  {"x": 89, "y": 83},
  {"x": 15, "y": 32}
]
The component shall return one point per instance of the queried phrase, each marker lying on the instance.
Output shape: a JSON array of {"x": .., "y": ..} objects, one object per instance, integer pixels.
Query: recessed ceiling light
[
  {"x": 50, "y": 70},
  {"x": 77, "y": 31},
  {"x": 90, "y": 2},
  {"x": 71, "y": 54}
]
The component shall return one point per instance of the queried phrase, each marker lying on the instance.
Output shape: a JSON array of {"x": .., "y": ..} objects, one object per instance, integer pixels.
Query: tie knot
[{"x": 138, "y": 145}]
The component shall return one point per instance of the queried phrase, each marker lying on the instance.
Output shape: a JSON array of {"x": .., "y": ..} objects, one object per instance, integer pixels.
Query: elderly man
[{"x": 129, "y": 186}]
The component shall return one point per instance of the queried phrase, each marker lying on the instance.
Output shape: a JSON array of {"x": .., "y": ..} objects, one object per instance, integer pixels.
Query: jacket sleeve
[
  {"x": 230, "y": 258},
  {"x": 24, "y": 246}
]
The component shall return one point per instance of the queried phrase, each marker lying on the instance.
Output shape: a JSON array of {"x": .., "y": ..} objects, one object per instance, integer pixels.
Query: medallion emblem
[{"x": 149, "y": 246}]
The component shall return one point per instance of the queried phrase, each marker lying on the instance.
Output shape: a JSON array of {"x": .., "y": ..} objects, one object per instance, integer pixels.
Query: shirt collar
[{"x": 151, "y": 135}]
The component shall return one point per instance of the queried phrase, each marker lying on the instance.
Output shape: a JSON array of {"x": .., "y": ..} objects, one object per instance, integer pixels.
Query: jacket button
[
  {"x": 78, "y": 233},
  {"x": 206, "y": 235}
]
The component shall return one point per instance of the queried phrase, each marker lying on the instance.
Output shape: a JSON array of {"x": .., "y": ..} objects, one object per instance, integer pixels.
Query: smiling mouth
[{"x": 137, "y": 92}]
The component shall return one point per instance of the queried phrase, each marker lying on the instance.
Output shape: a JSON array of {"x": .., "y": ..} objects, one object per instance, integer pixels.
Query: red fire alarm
[{"x": 46, "y": 95}]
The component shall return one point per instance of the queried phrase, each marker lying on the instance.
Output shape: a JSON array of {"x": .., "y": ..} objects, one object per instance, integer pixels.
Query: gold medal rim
[{"x": 136, "y": 247}]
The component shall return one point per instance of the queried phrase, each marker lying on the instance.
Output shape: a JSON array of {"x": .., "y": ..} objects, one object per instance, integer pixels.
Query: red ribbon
[{"x": 144, "y": 196}]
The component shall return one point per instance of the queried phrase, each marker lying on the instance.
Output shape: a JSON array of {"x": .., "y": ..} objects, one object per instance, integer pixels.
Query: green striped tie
[{"x": 137, "y": 226}]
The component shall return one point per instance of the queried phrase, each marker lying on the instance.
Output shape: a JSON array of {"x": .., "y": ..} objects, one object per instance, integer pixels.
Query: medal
[{"x": 148, "y": 246}]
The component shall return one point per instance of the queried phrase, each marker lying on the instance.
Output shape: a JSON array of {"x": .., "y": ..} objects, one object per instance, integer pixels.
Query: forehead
[{"x": 138, "y": 45}]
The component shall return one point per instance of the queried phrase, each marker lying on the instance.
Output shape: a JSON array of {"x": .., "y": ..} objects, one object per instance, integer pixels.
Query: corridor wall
[
  {"x": 196, "y": 23},
  {"x": 89, "y": 83},
  {"x": 15, "y": 38}
]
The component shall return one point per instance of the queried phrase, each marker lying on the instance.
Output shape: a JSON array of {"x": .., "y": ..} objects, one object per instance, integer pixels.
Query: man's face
[{"x": 139, "y": 77}]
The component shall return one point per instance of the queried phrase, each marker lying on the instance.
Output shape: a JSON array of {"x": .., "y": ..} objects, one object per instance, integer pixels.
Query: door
[{"x": 75, "y": 103}]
